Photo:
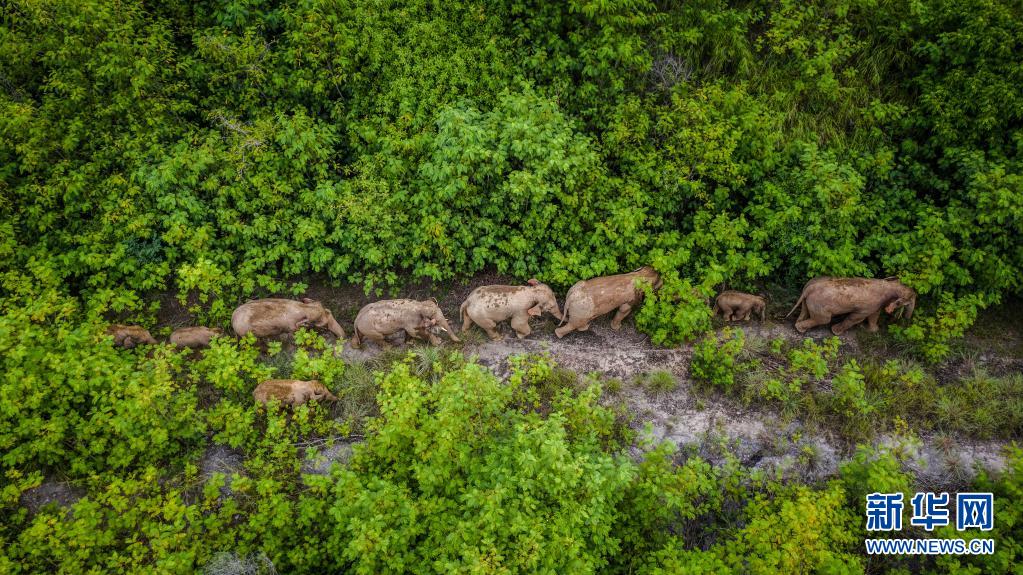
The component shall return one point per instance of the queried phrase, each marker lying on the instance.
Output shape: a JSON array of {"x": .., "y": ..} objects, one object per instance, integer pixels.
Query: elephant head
[
  {"x": 902, "y": 296},
  {"x": 546, "y": 301},
  {"x": 321, "y": 317},
  {"x": 319, "y": 392},
  {"x": 431, "y": 316},
  {"x": 760, "y": 307},
  {"x": 650, "y": 274}
]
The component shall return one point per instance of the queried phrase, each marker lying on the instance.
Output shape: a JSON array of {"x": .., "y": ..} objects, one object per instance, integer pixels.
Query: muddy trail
[{"x": 713, "y": 426}]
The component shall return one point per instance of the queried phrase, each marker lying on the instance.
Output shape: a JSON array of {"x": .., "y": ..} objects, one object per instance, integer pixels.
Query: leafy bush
[
  {"x": 714, "y": 358},
  {"x": 73, "y": 402}
]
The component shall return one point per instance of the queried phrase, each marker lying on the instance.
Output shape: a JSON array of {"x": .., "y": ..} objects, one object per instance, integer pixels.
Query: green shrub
[{"x": 714, "y": 359}]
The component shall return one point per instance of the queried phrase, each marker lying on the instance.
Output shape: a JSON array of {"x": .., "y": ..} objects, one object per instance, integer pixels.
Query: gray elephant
[
  {"x": 736, "y": 305},
  {"x": 292, "y": 391},
  {"x": 487, "y": 306},
  {"x": 273, "y": 316},
  {"x": 857, "y": 298},
  {"x": 128, "y": 336},
  {"x": 419, "y": 319},
  {"x": 592, "y": 298}
]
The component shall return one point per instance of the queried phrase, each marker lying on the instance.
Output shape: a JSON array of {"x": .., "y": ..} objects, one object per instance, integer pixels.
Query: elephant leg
[
  {"x": 520, "y": 323},
  {"x": 848, "y": 322},
  {"x": 811, "y": 321},
  {"x": 467, "y": 323},
  {"x": 584, "y": 327},
  {"x": 872, "y": 321},
  {"x": 564, "y": 330},
  {"x": 490, "y": 326},
  {"x": 378, "y": 339},
  {"x": 623, "y": 311},
  {"x": 802, "y": 314}
]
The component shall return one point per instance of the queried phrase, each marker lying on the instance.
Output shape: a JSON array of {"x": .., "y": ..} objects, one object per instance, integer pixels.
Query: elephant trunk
[
  {"x": 910, "y": 307},
  {"x": 443, "y": 323},
  {"x": 335, "y": 327}
]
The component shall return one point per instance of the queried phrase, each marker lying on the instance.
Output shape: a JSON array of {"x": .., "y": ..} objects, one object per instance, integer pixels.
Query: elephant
[
  {"x": 736, "y": 305},
  {"x": 589, "y": 299},
  {"x": 419, "y": 319},
  {"x": 128, "y": 336},
  {"x": 486, "y": 306},
  {"x": 857, "y": 298},
  {"x": 195, "y": 337},
  {"x": 292, "y": 392},
  {"x": 273, "y": 316}
]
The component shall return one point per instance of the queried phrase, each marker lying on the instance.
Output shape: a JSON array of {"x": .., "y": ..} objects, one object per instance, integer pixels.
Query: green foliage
[
  {"x": 674, "y": 314},
  {"x": 849, "y": 394},
  {"x": 714, "y": 358},
  {"x": 72, "y": 401},
  {"x": 233, "y": 149},
  {"x": 930, "y": 336}
]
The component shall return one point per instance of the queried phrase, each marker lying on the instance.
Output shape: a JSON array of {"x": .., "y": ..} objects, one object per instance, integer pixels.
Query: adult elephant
[
  {"x": 592, "y": 298},
  {"x": 856, "y": 298},
  {"x": 419, "y": 319},
  {"x": 274, "y": 316}
]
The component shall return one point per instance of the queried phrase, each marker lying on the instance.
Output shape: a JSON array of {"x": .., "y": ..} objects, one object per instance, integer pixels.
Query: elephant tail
[
  {"x": 717, "y": 308},
  {"x": 799, "y": 302},
  {"x": 461, "y": 311},
  {"x": 356, "y": 337},
  {"x": 568, "y": 298}
]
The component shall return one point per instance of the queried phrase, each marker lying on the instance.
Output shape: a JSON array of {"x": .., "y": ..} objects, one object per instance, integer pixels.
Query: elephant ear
[
  {"x": 535, "y": 310},
  {"x": 533, "y": 282}
]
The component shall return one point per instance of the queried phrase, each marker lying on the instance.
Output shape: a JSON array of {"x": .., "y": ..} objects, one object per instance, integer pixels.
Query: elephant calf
[
  {"x": 487, "y": 306},
  {"x": 857, "y": 298},
  {"x": 589, "y": 299},
  {"x": 273, "y": 316},
  {"x": 419, "y": 319},
  {"x": 128, "y": 336},
  {"x": 292, "y": 391},
  {"x": 195, "y": 337},
  {"x": 736, "y": 305}
]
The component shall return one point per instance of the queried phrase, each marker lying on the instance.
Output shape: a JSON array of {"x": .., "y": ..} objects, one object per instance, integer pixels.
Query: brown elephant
[
  {"x": 487, "y": 306},
  {"x": 128, "y": 336},
  {"x": 419, "y": 319},
  {"x": 292, "y": 392},
  {"x": 736, "y": 305},
  {"x": 592, "y": 298},
  {"x": 273, "y": 316},
  {"x": 857, "y": 298},
  {"x": 195, "y": 337}
]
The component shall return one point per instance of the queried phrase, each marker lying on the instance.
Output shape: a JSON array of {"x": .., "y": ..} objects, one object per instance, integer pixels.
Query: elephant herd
[{"x": 822, "y": 299}]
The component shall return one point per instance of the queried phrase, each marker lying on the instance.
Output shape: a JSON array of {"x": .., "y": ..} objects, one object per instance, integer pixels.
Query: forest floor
[{"x": 710, "y": 424}]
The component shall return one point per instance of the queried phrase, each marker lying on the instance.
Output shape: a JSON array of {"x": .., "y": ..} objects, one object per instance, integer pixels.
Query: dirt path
[
  {"x": 718, "y": 427},
  {"x": 710, "y": 426}
]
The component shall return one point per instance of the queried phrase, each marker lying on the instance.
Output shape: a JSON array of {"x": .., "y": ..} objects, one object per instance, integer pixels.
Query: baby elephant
[
  {"x": 274, "y": 316},
  {"x": 292, "y": 391},
  {"x": 195, "y": 337},
  {"x": 419, "y": 319},
  {"x": 489, "y": 305},
  {"x": 589, "y": 299},
  {"x": 128, "y": 336},
  {"x": 736, "y": 305}
]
